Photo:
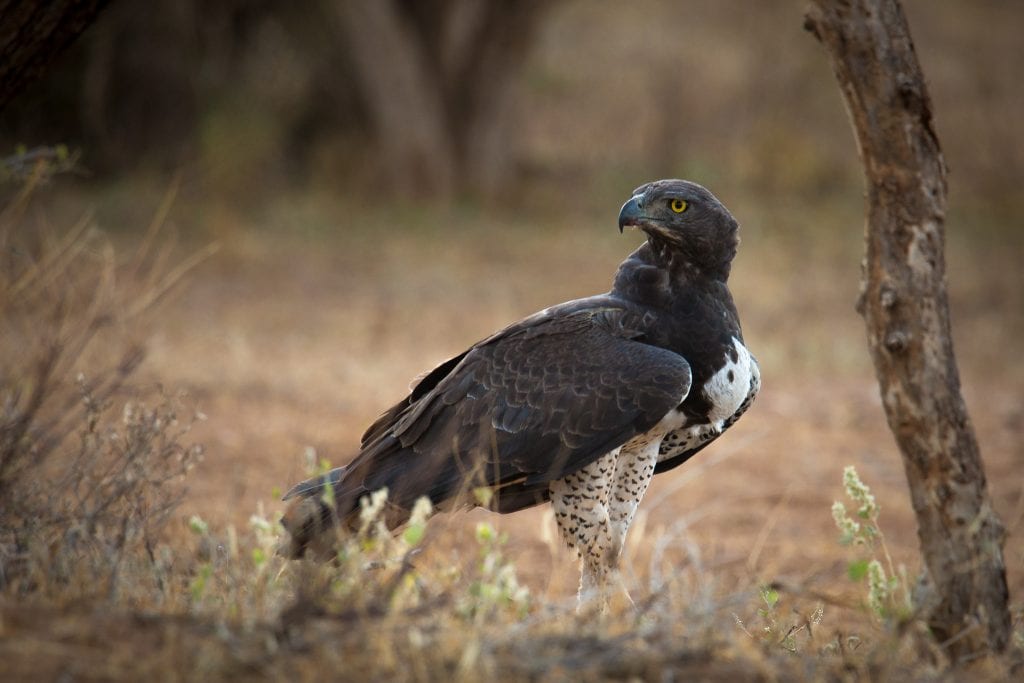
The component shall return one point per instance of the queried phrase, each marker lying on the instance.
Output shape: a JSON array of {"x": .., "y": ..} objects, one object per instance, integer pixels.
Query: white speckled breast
[
  {"x": 727, "y": 388},
  {"x": 730, "y": 391}
]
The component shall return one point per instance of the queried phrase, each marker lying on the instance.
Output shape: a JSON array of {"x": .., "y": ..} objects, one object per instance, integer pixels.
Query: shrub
[{"x": 90, "y": 468}]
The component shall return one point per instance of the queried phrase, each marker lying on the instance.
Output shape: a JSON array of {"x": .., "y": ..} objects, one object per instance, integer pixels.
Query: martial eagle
[{"x": 580, "y": 404}]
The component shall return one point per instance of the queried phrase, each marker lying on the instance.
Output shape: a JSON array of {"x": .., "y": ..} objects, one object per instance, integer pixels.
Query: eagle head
[{"x": 684, "y": 222}]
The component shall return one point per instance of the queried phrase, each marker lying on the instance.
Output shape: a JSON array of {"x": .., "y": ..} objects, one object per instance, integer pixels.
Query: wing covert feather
[{"x": 525, "y": 407}]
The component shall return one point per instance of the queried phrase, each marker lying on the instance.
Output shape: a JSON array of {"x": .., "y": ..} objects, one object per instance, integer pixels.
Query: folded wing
[{"x": 525, "y": 407}]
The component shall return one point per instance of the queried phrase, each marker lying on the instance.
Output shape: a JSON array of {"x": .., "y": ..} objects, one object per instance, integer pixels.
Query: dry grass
[
  {"x": 91, "y": 467},
  {"x": 318, "y": 309},
  {"x": 291, "y": 350}
]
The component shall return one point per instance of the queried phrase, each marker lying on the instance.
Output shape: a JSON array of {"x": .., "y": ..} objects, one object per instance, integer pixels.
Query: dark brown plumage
[{"x": 580, "y": 403}]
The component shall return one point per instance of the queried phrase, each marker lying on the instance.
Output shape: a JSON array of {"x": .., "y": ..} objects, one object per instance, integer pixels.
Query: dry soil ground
[
  {"x": 313, "y": 317},
  {"x": 295, "y": 342}
]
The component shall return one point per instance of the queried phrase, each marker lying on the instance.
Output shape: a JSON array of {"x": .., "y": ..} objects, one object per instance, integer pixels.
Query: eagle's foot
[{"x": 602, "y": 588}]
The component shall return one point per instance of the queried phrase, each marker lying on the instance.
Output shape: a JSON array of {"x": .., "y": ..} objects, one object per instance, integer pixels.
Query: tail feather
[
  {"x": 316, "y": 485},
  {"x": 309, "y": 517}
]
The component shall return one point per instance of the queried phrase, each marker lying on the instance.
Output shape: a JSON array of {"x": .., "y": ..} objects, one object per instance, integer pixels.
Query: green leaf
[
  {"x": 413, "y": 534},
  {"x": 198, "y": 585},
  {"x": 197, "y": 525},
  {"x": 857, "y": 570},
  {"x": 485, "y": 533},
  {"x": 483, "y": 496},
  {"x": 770, "y": 596}
]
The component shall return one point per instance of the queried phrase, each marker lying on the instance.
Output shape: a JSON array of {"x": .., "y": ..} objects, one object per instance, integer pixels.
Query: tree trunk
[
  {"x": 33, "y": 33},
  {"x": 401, "y": 96},
  {"x": 437, "y": 78},
  {"x": 482, "y": 87},
  {"x": 905, "y": 306}
]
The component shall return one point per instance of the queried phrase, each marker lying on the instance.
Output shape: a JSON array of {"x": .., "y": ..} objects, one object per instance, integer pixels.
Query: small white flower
[
  {"x": 421, "y": 510},
  {"x": 260, "y": 524},
  {"x": 371, "y": 507},
  {"x": 859, "y": 492},
  {"x": 878, "y": 587},
  {"x": 847, "y": 527}
]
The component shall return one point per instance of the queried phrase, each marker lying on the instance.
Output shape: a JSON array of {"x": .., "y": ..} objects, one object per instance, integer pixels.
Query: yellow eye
[{"x": 678, "y": 205}]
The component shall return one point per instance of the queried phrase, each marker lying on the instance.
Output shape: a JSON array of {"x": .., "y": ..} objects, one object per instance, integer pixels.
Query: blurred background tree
[
  {"x": 388, "y": 179},
  {"x": 430, "y": 83},
  {"x": 439, "y": 104},
  {"x": 457, "y": 98}
]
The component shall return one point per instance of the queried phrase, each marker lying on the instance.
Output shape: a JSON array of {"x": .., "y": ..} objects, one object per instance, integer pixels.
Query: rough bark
[
  {"x": 905, "y": 307},
  {"x": 32, "y": 34}
]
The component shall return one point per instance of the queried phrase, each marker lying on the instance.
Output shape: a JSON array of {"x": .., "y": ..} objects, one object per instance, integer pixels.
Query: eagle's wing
[
  {"x": 420, "y": 386},
  {"x": 529, "y": 405}
]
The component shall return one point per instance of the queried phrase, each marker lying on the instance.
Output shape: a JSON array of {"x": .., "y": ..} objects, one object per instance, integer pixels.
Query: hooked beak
[{"x": 631, "y": 213}]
